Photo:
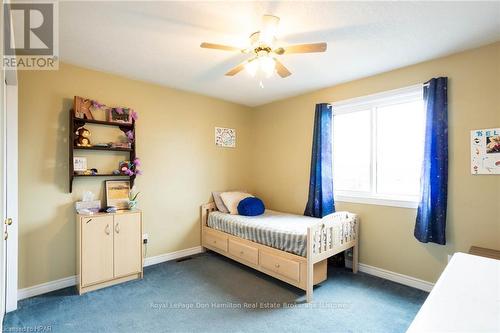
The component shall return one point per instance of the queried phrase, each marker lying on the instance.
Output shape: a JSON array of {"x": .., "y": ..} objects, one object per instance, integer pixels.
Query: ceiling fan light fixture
[
  {"x": 267, "y": 65},
  {"x": 251, "y": 67}
]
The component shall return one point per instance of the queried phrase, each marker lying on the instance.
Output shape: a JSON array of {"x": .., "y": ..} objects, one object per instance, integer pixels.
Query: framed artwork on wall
[
  {"x": 117, "y": 193},
  {"x": 225, "y": 137},
  {"x": 485, "y": 151}
]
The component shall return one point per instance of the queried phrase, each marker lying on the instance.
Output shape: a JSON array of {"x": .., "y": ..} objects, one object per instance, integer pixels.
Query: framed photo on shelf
[
  {"x": 120, "y": 115},
  {"x": 79, "y": 163},
  {"x": 117, "y": 193}
]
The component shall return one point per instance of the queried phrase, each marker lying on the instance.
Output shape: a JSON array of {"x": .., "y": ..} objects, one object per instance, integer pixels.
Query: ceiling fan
[{"x": 264, "y": 50}]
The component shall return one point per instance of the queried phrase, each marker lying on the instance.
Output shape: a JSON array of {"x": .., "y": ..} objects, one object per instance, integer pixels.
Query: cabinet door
[
  {"x": 127, "y": 244},
  {"x": 96, "y": 249}
]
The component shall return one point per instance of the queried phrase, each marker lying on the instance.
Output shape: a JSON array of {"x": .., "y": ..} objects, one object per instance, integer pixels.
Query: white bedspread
[{"x": 466, "y": 298}]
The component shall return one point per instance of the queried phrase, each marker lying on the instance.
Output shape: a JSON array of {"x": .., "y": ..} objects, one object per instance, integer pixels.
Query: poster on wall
[
  {"x": 485, "y": 151},
  {"x": 225, "y": 137}
]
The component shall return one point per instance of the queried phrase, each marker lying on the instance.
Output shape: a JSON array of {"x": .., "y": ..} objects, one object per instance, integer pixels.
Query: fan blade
[
  {"x": 281, "y": 69},
  {"x": 302, "y": 48},
  {"x": 219, "y": 47},
  {"x": 235, "y": 70}
]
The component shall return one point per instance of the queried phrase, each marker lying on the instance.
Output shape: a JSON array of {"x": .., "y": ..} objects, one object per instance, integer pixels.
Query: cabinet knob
[
  {"x": 215, "y": 242},
  {"x": 117, "y": 228},
  {"x": 241, "y": 252},
  {"x": 277, "y": 265},
  {"x": 107, "y": 229}
]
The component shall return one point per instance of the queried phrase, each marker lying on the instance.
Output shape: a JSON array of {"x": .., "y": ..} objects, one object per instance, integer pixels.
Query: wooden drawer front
[
  {"x": 285, "y": 267},
  {"x": 216, "y": 241},
  {"x": 243, "y": 251}
]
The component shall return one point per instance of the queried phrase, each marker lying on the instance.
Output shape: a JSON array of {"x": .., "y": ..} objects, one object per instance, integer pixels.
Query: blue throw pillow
[{"x": 251, "y": 206}]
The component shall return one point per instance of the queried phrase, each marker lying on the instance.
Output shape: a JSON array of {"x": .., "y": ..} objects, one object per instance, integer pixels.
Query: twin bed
[{"x": 289, "y": 247}]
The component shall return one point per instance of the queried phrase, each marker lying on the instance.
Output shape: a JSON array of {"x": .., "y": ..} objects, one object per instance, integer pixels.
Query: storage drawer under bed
[
  {"x": 243, "y": 251},
  {"x": 219, "y": 242},
  {"x": 282, "y": 266}
]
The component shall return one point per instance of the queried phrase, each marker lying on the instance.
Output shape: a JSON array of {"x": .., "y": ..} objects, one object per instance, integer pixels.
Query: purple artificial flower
[
  {"x": 129, "y": 172},
  {"x": 138, "y": 172},
  {"x": 134, "y": 115},
  {"x": 137, "y": 162},
  {"x": 130, "y": 135},
  {"x": 119, "y": 110}
]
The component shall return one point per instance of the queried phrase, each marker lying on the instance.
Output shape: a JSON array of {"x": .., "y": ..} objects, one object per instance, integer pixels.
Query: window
[{"x": 378, "y": 144}]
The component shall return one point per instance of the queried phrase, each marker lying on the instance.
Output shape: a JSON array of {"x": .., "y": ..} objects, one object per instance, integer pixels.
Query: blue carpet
[{"x": 210, "y": 293}]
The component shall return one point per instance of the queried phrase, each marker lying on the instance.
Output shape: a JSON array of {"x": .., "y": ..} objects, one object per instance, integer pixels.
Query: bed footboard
[{"x": 327, "y": 239}]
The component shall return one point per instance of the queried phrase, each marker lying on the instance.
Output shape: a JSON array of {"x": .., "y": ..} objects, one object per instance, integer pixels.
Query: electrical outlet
[{"x": 145, "y": 238}]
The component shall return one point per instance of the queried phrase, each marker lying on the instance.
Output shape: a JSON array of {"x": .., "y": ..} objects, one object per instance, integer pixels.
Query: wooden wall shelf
[
  {"x": 103, "y": 148},
  {"x": 75, "y": 123}
]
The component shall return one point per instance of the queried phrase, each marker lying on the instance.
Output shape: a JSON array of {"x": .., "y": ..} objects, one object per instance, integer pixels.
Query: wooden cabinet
[{"x": 109, "y": 249}]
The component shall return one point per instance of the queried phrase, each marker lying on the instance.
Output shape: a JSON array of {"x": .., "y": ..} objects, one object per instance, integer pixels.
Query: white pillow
[
  {"x": 218, "y": 202},
  {"x": 232, "y": 199}
]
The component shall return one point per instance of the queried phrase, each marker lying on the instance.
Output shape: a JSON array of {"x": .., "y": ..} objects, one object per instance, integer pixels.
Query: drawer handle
[
  {"x": 88, "y": 221},
  {"x": 277, "y": 265},
  {"x": 107, "y": 229},
  {"x": 117, "y": 228}
]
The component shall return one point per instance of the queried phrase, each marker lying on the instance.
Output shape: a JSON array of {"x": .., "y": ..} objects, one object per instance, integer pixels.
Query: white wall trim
[
  {"x": 393, "y": 276},
  {"x": 172, "y": 256},
  {"x": 69, "y": 281},
  {"x": 371, "y": 270}
]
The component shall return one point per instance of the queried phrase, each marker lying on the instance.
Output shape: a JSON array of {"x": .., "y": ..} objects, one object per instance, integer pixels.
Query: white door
[
  {"x": 11, "y": 193},
  {"x": 2, "y": 196}
]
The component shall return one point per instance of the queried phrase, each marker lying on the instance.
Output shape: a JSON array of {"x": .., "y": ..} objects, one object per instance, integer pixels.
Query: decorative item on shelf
[
  {"x": 130, "y": 135},
  {"x": 87, "y": 172},
  {"x": 225, "y": 137},
  {"x": 120, "y": 145},
  {"x": 132, "y": 203},
  {"x": 82, "y": 139},
  {"x": 129, "y": 168},
  {"x": 82, "y": 106},
  {"x": 79, "y": 163},
  {"x": 121, "y": 115},
  {"x": 102, "y": 145},
  {"x": 88, "y": 205},
  {"x": 117, "y": 193},
  {"x": 485, "y": 151}
]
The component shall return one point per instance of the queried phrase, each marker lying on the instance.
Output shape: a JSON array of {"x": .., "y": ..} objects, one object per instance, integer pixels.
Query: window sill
[{"x": 377, "y": 201}]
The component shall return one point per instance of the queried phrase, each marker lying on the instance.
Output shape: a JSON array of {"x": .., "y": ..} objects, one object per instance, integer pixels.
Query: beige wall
[
  {"x": 283, "y": 136},
  {"x": 175, "y": 141},
  {"x": 182, "y": 166}
]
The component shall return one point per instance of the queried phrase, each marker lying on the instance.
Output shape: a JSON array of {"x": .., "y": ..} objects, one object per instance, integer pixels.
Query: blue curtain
[
  {"x": 320, "y": 202},
  {"x": 430, "y": 225}
]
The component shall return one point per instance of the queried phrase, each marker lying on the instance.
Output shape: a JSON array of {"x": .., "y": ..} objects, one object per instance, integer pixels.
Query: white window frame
[{"x": 370, "y": 102}]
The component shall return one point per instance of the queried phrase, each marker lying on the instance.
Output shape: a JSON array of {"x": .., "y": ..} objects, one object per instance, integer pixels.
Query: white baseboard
[
  {"x": 46, "y": 287},
  {"x": 172, "y": 256},
  {"x": 69, "y": 281},
  {"x": 393, "y": 276}
]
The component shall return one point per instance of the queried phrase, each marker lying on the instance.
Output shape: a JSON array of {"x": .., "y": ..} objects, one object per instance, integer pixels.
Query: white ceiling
[{"x": 159, "y": 41}]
